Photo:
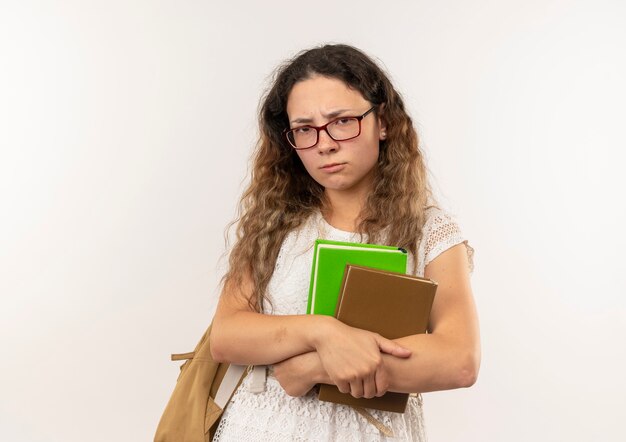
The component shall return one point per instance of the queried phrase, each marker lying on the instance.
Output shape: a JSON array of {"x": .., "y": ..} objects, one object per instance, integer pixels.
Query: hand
[
  {"x": 296, "y": 374},
  {"x": 352, "y": 359}
]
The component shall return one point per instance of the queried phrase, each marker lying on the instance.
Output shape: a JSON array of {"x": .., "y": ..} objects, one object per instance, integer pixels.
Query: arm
[
  {"x": 242, "y": 336},
  {"x": 449, "y": 356},
  {"x": 446, "y": 358}
]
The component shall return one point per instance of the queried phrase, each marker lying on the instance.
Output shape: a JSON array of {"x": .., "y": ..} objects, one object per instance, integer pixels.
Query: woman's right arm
[
  {"x": 240, "y": 335},
  {"x": 350, "y": 356}
]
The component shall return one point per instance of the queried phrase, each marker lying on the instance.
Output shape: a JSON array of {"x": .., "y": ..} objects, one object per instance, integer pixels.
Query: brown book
[{"x": 391, "y": 304}]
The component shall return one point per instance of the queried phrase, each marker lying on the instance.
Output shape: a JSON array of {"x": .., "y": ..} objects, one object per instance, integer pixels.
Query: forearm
[
  {"x": 252, "y": 338},
  {"x": 436, "y": 363}
]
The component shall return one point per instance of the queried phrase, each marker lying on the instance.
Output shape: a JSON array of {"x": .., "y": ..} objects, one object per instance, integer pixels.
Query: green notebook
[{"x": 329, "y": 261}]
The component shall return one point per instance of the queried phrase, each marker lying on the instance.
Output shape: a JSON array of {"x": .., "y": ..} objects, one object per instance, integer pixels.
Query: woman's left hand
[{"x": 298, "y": 374}]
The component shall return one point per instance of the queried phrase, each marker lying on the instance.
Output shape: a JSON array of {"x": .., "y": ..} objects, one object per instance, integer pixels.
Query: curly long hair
[{"x": 281, "y": 194}]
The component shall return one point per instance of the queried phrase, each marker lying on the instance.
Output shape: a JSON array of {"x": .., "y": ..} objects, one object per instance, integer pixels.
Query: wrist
[
  {"x": 321, "y": 330},
  {"x": 317, "y": 373}
]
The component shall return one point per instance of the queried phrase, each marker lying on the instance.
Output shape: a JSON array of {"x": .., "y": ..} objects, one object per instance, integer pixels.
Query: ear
[{"x": 382, "y": 125}]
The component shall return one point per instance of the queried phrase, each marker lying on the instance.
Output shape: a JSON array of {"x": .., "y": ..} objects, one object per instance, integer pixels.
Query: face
[{"x": 339, "y": 166}]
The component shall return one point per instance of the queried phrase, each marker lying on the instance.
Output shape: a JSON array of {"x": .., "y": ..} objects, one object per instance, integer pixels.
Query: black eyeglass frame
[{"x": 320, "y": 128}]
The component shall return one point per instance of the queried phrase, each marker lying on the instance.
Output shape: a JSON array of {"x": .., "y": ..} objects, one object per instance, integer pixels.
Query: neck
[{"x": 344, "y": 207}]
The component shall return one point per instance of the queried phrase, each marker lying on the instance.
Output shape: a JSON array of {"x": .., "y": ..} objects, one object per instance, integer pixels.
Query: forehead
[{"x": 320, "y": 94}]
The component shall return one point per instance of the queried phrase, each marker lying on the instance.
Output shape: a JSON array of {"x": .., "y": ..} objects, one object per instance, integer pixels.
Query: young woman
[{"x": 338, "y": 158}]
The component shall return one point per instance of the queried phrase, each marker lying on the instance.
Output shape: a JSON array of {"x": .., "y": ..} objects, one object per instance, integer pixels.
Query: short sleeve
[{"x": 441, "y": 231}]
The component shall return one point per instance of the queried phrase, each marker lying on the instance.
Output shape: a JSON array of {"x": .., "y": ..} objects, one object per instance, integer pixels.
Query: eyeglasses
[{"x": 339, "y": 129}]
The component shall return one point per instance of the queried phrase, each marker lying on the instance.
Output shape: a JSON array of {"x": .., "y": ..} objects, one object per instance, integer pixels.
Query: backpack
[{"x": 202, "y": 390}]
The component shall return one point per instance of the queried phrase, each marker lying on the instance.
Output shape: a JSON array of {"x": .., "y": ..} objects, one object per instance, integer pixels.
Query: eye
[
  {"x": 302, "y": 130},
  {"x": 344, "y": 121}
]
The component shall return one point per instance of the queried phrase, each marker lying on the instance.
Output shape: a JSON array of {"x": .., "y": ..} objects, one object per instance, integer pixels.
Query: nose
[{"x": 325, "y": 143}]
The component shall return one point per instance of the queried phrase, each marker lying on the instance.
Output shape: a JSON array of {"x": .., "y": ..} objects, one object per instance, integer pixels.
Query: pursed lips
[{"x": 326, "y": 166}]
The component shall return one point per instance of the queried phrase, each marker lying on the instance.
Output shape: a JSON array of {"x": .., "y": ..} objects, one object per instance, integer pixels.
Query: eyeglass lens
[{"x": 341, "y": 129}]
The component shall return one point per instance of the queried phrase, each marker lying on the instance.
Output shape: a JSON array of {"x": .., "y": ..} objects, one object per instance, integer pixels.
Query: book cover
[
  {"x": 329, "y": 261},
  {"x": 391, "y": 304}
]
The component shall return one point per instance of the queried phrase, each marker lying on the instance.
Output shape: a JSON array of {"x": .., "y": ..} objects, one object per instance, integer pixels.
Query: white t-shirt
[{"x": 273, "y": 415}]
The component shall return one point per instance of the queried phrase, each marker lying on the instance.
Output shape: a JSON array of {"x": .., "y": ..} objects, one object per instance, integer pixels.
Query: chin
[
  {"x": 341, "y": 188},
  {"x": 336, "y": 184}
]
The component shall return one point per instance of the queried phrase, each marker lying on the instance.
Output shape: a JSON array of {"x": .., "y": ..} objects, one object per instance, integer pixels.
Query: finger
[
  {"x": 382, "y": 382},
  {"x": 343, "y": 387},
  {"x": 369, "y": 387},
  {"x": 392, "y": 348},
  {"x": 356, "y": 388}
]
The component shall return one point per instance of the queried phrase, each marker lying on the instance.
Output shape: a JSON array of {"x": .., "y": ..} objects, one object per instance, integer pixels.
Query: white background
[{"x": 125, "y": 132}]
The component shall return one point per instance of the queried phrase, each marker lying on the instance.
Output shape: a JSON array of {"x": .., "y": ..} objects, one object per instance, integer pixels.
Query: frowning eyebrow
[{"x": 330, "y": 115}]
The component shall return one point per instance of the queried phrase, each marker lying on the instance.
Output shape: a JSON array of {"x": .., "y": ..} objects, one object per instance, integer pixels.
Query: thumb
[{"x": 392, "y": 348}]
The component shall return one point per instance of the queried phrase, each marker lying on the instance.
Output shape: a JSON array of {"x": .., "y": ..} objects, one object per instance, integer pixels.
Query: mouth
[{"x": 331, "y": 165}]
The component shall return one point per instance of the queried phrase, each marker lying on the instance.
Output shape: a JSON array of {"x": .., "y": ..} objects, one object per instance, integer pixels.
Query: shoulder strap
[
  {"x": 233, "y": 376},
  {"x": 259, "y": 377}
]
